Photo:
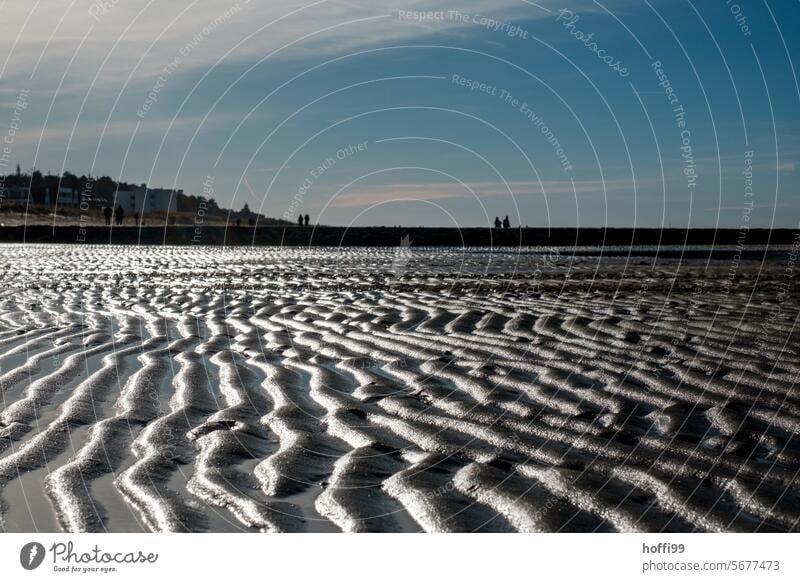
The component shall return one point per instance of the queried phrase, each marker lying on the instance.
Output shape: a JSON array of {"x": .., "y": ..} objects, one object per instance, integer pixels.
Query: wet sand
[{"x": 409, "y": 389}]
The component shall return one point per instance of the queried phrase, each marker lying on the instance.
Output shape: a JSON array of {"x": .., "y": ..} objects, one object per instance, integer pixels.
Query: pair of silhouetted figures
[
  {"x": 118, "y": 213},
  {"x": 505, "y": 224},
  {"x": 301, "y": 219}
]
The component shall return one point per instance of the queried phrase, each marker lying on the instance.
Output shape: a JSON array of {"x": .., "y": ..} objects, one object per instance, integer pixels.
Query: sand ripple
[{"x": 201, "y": 389}]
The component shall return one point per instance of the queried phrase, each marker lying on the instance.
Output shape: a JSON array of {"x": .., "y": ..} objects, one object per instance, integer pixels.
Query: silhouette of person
[
  {"x": 506, "y": 222},
  {"x": 136, "y": 218},
  {"x": 497, "y": 222},
  {"x": 300, "y": 220},
  {"x": 307, "y": 219},
  {"x": 107, "y": 212},
  {"x": 119, "y": 214},
  {"x": 238, "y": 222},
  {"x": 251, "y": 221}
]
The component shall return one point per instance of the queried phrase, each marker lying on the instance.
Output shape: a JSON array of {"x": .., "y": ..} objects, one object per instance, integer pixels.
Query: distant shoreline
[{"x": 293, "y": 236}]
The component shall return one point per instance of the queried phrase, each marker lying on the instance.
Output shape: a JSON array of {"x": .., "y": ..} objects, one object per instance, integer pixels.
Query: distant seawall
[{"x": 389, "y": 236}]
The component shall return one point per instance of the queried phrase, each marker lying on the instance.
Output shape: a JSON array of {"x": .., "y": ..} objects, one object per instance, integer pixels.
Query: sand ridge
[{"x": 328, "y": 389}]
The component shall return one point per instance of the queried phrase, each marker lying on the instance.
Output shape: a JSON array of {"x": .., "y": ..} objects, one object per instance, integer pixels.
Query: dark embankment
[
  {"x": 390, "y": 236},
  {"x": 180, "y": 389}
]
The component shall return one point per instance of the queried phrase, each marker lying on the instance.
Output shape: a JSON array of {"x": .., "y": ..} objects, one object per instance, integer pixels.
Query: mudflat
[{"x": 397, "y": 389}]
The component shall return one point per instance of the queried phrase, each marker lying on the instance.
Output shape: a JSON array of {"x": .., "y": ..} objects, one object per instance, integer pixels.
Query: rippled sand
[{"x": 191, "y": 389}]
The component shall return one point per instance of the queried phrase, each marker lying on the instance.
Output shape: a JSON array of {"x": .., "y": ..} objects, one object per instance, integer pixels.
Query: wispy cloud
[
  {"x": 93, "y": 131},
  {"x": 742, "y": 208},
  {"x": 439, "y": 191},
  {"x": 137, "y": 38}
]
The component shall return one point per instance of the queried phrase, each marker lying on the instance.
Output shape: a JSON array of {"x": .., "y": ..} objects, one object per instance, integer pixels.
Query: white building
[
  {"x": 15, "y": 194},
  {"x": 144, "y": 200},
  {"x": 64, "y": 197},
  {"x": 22, "y": 195}
]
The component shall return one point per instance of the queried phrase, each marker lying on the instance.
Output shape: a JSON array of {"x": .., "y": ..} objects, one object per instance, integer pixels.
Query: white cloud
[
  {"x": 374, "y": 195},
  {"x": 60, "y": 131},
  {"x": 40, "y": 38}
]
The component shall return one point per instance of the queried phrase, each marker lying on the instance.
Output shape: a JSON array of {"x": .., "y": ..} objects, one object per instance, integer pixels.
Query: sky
[{"x": 645, "y": 113}]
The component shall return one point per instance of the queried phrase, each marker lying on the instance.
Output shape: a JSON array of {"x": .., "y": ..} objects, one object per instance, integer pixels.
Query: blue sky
[{"x": 431, "y": 113}]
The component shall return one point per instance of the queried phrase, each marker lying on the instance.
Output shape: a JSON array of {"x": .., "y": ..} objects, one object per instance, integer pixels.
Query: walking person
[
  {"x": 506, "y": 222},
  {"x": 307, "y": 219},
  {"x": 497, "y": 222},
  {"x": 107, "y": 212},
  {"x": 300, "y": 220},
  {"x": 119, "y": 215}
]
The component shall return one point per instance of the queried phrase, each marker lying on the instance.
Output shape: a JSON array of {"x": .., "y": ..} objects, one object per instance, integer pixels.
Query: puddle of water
[
  {"x": 119, "y": 516},
  {"x": 46, "y": 366},
  {"x": 315, "y": 521},
  {"x": 30, "y": 509},
  {"x": 219, "y": 520},
  {"x": 10, "y": 362}
]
